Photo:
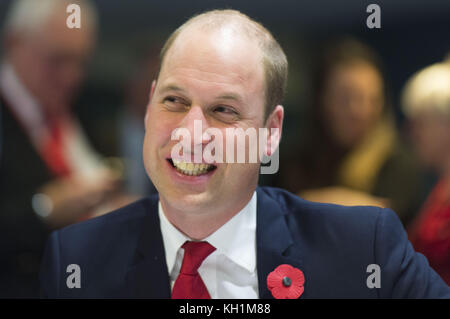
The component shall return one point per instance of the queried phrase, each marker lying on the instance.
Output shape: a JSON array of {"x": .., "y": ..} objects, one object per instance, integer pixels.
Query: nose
[
  {"x": 69, "y": 76},
  {"x": 195, "y": 122}
]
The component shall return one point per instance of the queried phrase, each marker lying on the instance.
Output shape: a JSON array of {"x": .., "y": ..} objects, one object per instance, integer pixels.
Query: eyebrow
[
  {"x": 172, "y": 87},
  {"x": 225, "y": 96},
  {"x": 230, "y": 96}
]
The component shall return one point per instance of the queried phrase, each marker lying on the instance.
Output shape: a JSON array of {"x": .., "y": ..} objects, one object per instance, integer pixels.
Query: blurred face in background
[
  {"x": 352, "y": 102},
  {"x": 430, "y": 133},
  {"x": 50, "y": 61}
]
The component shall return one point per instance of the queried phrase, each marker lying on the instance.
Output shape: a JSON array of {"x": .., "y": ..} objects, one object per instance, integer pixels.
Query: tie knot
[{"x": 194, "y": 254}]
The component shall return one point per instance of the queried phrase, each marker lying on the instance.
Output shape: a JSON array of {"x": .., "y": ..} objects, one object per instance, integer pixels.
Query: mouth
[{"x": 191, "y": 169}]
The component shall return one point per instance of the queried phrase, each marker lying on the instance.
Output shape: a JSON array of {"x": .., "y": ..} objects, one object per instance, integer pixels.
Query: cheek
[
  {"x": 41, "y": 76},
  {"x": 338, "y": 123},
  {"x": 440, "y": 139},
  {"x": 429, "y": 142},
  {"x": 241, "y": 177},
  {"x": 328, "y": 107},
  {"x": 335, "y": 115},
  {"x": 148, "y": 151},
  {"x": 156, "y": 136},
  {"x": 153, "y": 147},
  {"x": 159, "y": 127},
  {"x": 371, "y": 112}
]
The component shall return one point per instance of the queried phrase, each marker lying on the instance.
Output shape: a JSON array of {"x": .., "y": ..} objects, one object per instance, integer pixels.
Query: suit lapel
[
  {"x": 275, "y": 245},
  {"x": 147, "y": 276}
]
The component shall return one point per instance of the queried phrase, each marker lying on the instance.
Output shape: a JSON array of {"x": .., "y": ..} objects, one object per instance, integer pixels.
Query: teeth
[{"x": 191, "y": 168}]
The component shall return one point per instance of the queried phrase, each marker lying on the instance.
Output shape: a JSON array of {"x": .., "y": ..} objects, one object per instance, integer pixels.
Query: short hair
[
  {"x": 26, "y": 16},
  {"x": 428, "y": 89},
  {"x": 274, "y": 60}
]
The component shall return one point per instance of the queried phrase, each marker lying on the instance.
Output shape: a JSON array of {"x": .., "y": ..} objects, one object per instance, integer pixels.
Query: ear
[
  {"x": 152, "y": 91},
  {"x": 274, "y": 123}
]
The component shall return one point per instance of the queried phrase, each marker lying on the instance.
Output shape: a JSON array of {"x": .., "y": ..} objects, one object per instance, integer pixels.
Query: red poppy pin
[{"x": 286, "y": 282}]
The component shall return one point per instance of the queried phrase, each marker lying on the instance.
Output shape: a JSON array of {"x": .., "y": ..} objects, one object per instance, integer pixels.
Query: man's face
[
  {"x": 352, "y": 102},
  {"x": 216, "y": 78},
  {"x": 51, "y": 61}
]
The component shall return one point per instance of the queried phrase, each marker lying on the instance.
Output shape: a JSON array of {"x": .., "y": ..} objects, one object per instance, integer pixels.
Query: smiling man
[
  {"x": 211, "y": 232},
  {"x": 212, "y": 72}
]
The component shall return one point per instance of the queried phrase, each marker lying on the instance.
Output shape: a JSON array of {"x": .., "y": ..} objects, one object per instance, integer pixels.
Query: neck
[{"x": 200, "y": 222}]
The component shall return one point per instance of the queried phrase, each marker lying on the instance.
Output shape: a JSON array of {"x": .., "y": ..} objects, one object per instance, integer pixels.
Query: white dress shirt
[{"x": 228, "y": 272}]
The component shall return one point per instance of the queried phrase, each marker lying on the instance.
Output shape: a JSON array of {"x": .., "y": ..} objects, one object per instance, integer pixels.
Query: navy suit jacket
[{"x": 121, "y": 254}]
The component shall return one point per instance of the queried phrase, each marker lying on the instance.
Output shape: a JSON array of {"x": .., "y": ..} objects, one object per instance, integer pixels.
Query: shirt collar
[
  {"x": 236, "y": 239},
  {"x": 173, "y": 239}
]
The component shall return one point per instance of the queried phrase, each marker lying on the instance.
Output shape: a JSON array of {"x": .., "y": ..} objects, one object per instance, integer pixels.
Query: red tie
[
  {"x": 189, "y": 284},
  {"x": 53, "y": 150}
]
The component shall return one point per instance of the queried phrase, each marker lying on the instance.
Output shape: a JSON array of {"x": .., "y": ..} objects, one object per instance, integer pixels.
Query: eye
[
  {"x": 175, "y": 103},
  {"x": 225, "y": 110},
  {"x": 225, "y": 113}
]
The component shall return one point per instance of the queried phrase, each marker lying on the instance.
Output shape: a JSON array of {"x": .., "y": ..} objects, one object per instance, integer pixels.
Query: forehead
[
  {"x": 357, "y": 72},
  {"x": 54, "y": 37},
  {"x": 219, "y": 56}
]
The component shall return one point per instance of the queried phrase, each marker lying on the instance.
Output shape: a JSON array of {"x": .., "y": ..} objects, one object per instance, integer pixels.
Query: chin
[{"x": 188, "y": 201}]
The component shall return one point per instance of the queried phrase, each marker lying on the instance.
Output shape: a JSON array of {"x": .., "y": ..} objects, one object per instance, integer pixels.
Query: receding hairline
[
  {"x": 216, "y": 20},
  {"x": 248, "y": 28}
]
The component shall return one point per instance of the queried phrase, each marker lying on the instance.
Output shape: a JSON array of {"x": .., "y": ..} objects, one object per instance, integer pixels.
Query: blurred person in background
[
  {"x": 426, "y": 103},
  {"x": 353, "y": 155},
  {"x": 49, "y": 174},
  {"x": 131, "y": 126}
]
